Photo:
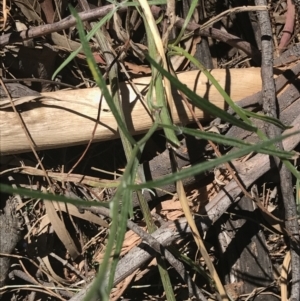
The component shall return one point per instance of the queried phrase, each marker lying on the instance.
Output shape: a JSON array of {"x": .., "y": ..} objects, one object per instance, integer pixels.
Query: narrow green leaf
[
  {"x": 200, "y": 102},
  {"x": 233, "y": 105},
  {"x": 49, "y": 197},
  {"x": 88, "y": 37},
  {"x": 120, "y": 235},
  {"x": 98, "y": 76},
  {"x": 266, "y": 118},
  {"x": 217, "y": 138},
  {"x": 227, "y": 98},
  {"x": 201, "y": 167},
  {"x": 192, "y": 8}
]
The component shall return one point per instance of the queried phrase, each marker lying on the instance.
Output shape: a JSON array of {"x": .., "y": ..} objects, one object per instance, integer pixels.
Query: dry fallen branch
[
  {"x": 65, "y": 118},
  {"x": 270, "y": 105}
]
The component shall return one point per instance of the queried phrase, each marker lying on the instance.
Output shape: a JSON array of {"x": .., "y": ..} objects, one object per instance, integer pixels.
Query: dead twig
[
  {"x": 288, "y": 27},
  {"x": 92, "y": 14},
  {"x": 270, "y": 109}
]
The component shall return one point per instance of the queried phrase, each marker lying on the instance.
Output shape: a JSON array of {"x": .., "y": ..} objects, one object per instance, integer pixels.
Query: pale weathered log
[{"x": 67, "y": 117}]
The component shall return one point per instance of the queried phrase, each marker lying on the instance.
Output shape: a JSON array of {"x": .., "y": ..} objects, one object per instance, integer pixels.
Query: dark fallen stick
[
  {"x": 10, "y": 234},
  {"x": 286, "y": 185}
]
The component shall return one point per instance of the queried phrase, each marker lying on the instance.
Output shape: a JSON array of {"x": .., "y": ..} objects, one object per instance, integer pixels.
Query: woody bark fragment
[{"x": 66, "y": 118}]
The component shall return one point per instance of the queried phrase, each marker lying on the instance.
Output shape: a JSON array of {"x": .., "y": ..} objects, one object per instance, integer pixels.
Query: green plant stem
[
  {"x": 163, "y": 115},
  {"x": 192, "y": 8},
  {"x": 160, "y": 92},
  {"x": 101, "y": 288},
  {"x": 129, "y": 177},
  {"x": 88, "y": 37},
  {"x": 113, "y": 79}
]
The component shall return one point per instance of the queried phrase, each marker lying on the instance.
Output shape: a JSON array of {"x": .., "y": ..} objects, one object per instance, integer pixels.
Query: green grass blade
[
  {"x": 200, "y": 102},
  {"x": 227, "y": 98},
  {"x": 99, "y": 78},
  {"x": 217, "y": 138},
  {"x": 192, "y": 8},
  {"x": 51, "y": 197},
  {"x": 88, "y": 37},
  {"x": 235, "y": 107},
  {"x": 201, "y": 167},
  {"x": 100, "y": 287},
  {"x": 157, "y": 84},
  {"x": 266, "y": 118}
]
